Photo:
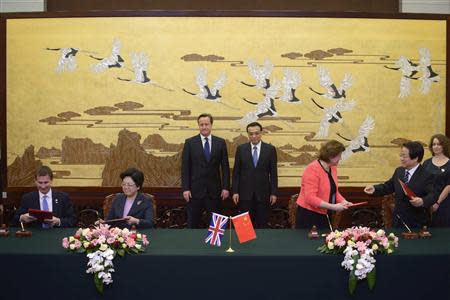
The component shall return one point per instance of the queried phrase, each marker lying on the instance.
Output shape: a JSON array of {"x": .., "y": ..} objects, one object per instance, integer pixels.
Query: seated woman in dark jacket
[{"x": 132, "y": 204}]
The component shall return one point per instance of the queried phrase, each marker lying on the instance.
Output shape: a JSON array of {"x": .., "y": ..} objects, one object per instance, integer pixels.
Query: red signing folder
[
  {"x": 408, "y": 192},
  {"x": 40, "y": 215}
]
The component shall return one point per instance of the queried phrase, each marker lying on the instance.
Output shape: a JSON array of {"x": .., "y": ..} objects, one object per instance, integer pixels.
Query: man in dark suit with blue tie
[
  {"x": 411, "y": 211},
  {"x": 46, "y": 199},
  {"x": 205, "y": 172},
  {"x": 255, "y": 176}
]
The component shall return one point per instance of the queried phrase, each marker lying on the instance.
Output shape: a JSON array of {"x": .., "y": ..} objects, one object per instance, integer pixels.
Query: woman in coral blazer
[{"x": 319, "y": 192}]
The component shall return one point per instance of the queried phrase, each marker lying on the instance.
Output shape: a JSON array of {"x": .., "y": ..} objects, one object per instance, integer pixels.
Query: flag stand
[
  {"x": 230, "y": 250},
  {"x": 329, "y": 223}
]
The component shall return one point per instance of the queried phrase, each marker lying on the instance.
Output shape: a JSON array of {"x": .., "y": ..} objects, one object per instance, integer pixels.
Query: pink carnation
[
  {"x": 361, "y": 246},
  {"x": 65, "y": 242},
  {"x": 130, "y": 242},
  {"x": 340, "y": 242},
  {"x": 77, "y": 244}
]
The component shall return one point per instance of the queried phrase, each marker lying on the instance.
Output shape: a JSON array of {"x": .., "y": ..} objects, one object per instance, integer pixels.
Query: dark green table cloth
[{"x": 279, "y": 264}]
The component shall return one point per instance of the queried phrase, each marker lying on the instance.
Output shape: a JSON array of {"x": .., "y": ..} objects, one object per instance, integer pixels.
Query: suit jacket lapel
[
  {"x": 37, "y": 201},
  {"x": 415, "y": 175},
  {"x": 121, "y": 204},
  {"x": 199, "y": 146},
  {"x": 56, "y": 203},
  {"x": 213, "y": 146},
  {"x": 136, "y": 204}
]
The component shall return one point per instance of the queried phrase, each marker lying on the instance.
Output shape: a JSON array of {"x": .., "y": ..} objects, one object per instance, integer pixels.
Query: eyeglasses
[{"x": 128, "y": 184}]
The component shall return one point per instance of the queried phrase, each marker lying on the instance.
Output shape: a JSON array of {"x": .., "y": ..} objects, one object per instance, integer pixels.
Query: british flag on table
[{"x": 216, "y": 230}]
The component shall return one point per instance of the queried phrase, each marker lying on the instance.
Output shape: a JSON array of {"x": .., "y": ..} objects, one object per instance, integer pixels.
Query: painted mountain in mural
[
  {"x": 21, "y": 171},
  {"x": 83, "y": 151},
  {"x": 44, "y": 152},
  {"x": 159, "y": 171},
  {"x": 156, "y": 141}
]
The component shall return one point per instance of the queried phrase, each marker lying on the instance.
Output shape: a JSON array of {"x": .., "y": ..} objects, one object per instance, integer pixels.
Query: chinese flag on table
[{"x": 244, "y": 227}]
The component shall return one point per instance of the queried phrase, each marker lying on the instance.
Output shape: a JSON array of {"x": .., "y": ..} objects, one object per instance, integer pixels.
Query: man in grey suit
[
  {"x": 205, "y": 172},
  {"x": 255, "y": 179}
]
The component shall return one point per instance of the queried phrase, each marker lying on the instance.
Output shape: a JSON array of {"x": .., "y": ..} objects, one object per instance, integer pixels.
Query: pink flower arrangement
[
  {"x": 359, "y": 245},
  {"x": 101, "y": 244}
]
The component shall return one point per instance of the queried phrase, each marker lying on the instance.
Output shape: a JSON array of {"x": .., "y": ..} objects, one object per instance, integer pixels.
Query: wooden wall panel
[{"x": 374, "y": 6}]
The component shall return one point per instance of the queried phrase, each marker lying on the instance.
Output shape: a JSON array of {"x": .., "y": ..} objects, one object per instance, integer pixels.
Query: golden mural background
[{"x": 75, "y": 120}]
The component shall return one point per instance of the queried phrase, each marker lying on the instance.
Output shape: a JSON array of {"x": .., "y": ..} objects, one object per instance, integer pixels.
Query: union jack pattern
[{"x": 216, "y": 230}]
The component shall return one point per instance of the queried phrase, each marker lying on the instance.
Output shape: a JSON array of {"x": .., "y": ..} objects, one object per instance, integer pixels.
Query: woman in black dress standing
[{"x": 439, "y": 166}]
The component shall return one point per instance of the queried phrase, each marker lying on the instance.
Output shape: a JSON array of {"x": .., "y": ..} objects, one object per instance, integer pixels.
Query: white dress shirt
[
  {"x": 209, "y": 141},
  {"x": 411, "y": 171}
]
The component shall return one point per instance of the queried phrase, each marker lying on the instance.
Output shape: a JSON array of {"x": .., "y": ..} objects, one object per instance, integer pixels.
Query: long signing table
[{"x": 279, "y": 264}]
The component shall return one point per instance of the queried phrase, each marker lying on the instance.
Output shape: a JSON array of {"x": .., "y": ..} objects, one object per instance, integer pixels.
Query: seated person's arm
[
  {"x": 443, "y": 194},
  {"x": 147, "y": 221}
]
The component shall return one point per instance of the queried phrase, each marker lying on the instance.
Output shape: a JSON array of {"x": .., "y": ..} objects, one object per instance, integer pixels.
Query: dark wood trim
[
  {"x": 162, "y": 194},
  {"x": 225, "y": 13},
  {"x": 3, "y": 157},
  {"x": 447, "y": 90},
  {"x": 304, "y": 5}
]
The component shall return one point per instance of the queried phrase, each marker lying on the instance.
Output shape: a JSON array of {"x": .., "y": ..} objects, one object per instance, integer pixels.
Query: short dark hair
[
  {"x": 205, "y": 115},
  {"x": 135, "y": 174},
  {"x": 254, "y": 124},
  {"x": 444, "y": 141},
  {"x": 44, "y": 171},
  {"x": 330, "y": 149},
  {"x": 415, "y": 149}
]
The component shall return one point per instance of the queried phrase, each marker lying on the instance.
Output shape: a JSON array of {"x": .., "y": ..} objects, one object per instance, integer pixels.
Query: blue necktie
[
  {"x": 255, "y": 156},
  {"x": 45, "y": 207},
  {"x": 406, "y": 176},
  {"x": 207, "y": 150}
]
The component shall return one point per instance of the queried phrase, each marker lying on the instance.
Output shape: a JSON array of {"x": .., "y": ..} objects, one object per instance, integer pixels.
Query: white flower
[
  {"x": 139, "y": 236},
  {"x": 71, "y": 239},
  {"x": 389, "y": 251},
  {"x": 72, "y": 246},
  {"x": 103, "y": 247},
  {"x": 138, "y": 246},
  {"x": 85, "y": 244},
  {"x": 120, "y": 239},
  {"x": 375, "y": 247},
  {"x": 330, "y": 245},
  {"x": 85, "y": 231},
  {"x": 101, "y": 265},
  {"x": 381, "y": 232}
]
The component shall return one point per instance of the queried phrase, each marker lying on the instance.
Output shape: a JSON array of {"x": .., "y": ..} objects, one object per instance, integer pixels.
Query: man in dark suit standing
[
  {"x": 414, "y": 212},
  {"x": 255, "y": 179},
  {"x": 205, "y": 172},
  {"x": 46, "y": 199}
]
